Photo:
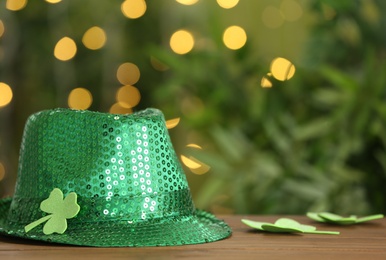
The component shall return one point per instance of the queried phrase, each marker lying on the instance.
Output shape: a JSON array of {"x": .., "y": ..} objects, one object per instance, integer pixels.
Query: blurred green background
[{"x": 304, "y": 134}]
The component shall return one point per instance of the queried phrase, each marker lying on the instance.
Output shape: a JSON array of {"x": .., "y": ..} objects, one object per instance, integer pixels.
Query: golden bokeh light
[
  {"x": 182, "y": 42},
  {"x": 128, "y": 96},
  {"x": 53, "y": 1},
  {"x": 15, "y": 5},
  {"x": 94, "y": 38},
  {"x": 172, "y": 123},
  {"x": 272, "y": 17},
  {"x": 227, "y": 4},
  {"x": 187, "y": 2},
  {"x": 79, "y": 98},
  {"x": 6, "y": 94},
  {"x": 2, "y": 171},
  {"x": 291, "y": 10},
  {"x": 128, "y": 73},
  {"x": 133, "y": 9},
  {"x": 194, "y": 146},
  {"x": 234, "y": 37},
  {"x": 282, "y": 69},
  {"x": 65, "y": 49},
  {"x": 118, "y": 109},
  {"x": 190, "y": 162},
  {"x": 265, "y": 82},
  {"x": 2, "y": 29}
]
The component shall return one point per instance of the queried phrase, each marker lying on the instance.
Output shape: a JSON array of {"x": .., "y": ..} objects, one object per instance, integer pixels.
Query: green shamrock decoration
[
  {"x": 332, "y": 218},
  {"x": 286, "y": 225},
  {"x": 60, "y": 211}
]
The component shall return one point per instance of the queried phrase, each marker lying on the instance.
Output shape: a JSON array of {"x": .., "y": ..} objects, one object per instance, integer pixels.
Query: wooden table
[{"x": 361, "y": 241}]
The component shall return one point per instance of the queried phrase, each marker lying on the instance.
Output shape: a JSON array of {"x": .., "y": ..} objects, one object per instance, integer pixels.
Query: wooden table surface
[{"x": 361, "y": 241}]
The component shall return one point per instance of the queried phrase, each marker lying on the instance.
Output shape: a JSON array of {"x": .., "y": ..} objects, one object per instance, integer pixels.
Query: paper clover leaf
[
  {"x": 60, "y": 210},
  {"x": 328, "y": 217},
  {"x": 286, "y": 225}
]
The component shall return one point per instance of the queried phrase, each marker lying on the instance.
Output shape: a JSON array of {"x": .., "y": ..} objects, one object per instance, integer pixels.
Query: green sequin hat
[{"x": 96, "y": 179}]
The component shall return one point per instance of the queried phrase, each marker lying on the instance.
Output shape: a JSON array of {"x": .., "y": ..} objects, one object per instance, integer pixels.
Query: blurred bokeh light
[
  {"x": 227, "y": 4},
  {"x": 133, "y": 9},
  {"x": 6, "y": 94},
  {"x": 128, "y": 96},
  {"x": 116, "y": 108},
  {"x": 128, "y": 73},
  {"x": 171, "y": 123},
  {"x": 181, "y": 42},
  {"x": 234, "y": 37},
  {"x": 94, "y": 38},
  {"x": 65, "y": 49},
  {"x": 265, "y": 82},
  {"x": 282, "y": 69},
  {"x": 187, "y": 2},
  {"x": 80, "y": 98},
  {"x": 16, "y": 5},
  {"x": 53, "y": 1}
]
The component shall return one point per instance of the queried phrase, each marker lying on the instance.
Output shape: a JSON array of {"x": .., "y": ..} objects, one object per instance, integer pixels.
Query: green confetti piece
[
  {"x": 60, "y": 210},
  {"x": 332, "y": 218},
  {"x": 286, "y": 225}
]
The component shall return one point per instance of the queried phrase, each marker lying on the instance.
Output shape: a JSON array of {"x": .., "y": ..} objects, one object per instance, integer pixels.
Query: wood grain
[{"x": 362, "y": 241}]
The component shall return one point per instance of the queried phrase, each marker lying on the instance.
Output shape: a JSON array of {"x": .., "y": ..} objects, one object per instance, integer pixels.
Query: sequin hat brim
[{"x": 202, "y": 227}]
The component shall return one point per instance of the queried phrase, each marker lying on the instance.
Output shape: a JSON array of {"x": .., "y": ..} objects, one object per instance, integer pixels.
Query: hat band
[{"x": 96, "y": 209}]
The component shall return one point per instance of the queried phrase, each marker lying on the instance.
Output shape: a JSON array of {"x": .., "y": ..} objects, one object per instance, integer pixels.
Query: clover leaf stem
[{"x": 36, "y": 223}]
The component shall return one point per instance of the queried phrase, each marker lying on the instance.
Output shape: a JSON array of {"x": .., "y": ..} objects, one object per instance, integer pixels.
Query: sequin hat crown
[{"x": 97, "y": 179}]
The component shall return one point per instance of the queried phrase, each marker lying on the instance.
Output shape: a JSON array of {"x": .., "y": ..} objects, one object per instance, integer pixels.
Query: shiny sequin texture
[{"x": 130, "y": 185}]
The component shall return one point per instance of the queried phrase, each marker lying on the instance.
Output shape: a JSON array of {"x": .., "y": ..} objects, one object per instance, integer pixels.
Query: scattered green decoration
[
  {"x": 328, "y": 217},
  {"x": 286, "y": 225},
  {"x": 60, "y": 211}
]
